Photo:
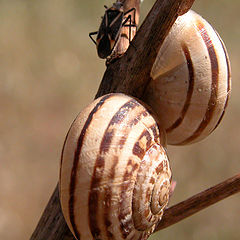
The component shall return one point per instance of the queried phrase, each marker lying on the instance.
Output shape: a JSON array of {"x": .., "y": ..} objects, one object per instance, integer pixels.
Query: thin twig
[{"x": 199, "y": 201}]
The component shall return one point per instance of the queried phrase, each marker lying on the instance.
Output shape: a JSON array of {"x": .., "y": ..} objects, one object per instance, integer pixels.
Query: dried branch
[
  {"x": 199, "y": 201},
  {"x": 52, "y": 224}
]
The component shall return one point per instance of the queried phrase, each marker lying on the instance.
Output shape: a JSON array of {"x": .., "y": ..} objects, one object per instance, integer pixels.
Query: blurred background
[{"x": 49, "y": 70}]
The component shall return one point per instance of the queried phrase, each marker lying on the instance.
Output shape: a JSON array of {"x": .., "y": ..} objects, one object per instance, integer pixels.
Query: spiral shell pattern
[
  {"x": 115, "y": 175},
  {"x": 191, "y": 81}
]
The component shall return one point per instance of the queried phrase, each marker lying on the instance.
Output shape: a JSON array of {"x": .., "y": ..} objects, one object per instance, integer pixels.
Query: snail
[
  {"x": 190, "y": 81},
  {"x": 115, "y": 176}
]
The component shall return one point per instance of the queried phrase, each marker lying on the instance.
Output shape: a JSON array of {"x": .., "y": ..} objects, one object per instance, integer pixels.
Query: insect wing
[
  {"x": 102, "y": 28},
  {"x": 104, "y": 48},
  {"x": 115, "y": 19},
  {"x": 109, "y": 32}
]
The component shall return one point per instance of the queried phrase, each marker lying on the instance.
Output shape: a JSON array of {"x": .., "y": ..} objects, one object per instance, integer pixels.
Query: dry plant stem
[
  {"x": 52, "y": 224},
  {"x": 129, "y": 74},
  {"x": 199, "y": 201}
]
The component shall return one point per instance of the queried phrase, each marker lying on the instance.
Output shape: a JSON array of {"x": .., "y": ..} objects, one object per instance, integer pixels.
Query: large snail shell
[
  {"x": 191, "y": 82},
  {"x": 115, "y": 176}
]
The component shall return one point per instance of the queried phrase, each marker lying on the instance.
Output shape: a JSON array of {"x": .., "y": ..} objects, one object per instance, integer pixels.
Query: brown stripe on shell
[
  {"x": 159, "y": 168},
  {"x": 214, "y": 86},
  {"x": 64, "y": 144},
  {"x": 145, "y": 213},
  {"x": 138, "y": 150},
  {"x": 155, "y": 131},
  {"x": 130, "y": 124},
  {"x": 108, "y": 197},
  {"x": 136, "y": 119},
  {"x": 189, "y": 91},
  {"x": 93, "y": 197},
  {"x": 100, "y": 164},
  {"x": 121, "y": 143},
  {"x": 126, "y": 226},
  {"x": 76, "y": 161},
  {"x": 228, "y": 79}
]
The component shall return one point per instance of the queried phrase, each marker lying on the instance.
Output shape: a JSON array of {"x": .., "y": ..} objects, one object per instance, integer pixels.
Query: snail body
[
  {"x": 191, "y": 81},
  {"x": 115, "y": 175}
]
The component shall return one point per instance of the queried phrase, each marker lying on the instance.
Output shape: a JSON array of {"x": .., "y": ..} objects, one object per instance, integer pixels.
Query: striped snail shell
[
  {"x": 115, "y": 175},
  {"x": 190, "y": 81}
]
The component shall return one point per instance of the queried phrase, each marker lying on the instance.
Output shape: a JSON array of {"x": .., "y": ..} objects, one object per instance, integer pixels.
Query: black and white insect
[{"x": 109, "y": 30}]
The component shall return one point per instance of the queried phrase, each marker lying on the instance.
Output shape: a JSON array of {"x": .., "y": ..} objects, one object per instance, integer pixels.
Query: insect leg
[
  {"x": 129, "y": 25},
  {"x": 130, "y": 18},
  {"x": 134, "y": 14},
  {"x": 93, "y": 33}
]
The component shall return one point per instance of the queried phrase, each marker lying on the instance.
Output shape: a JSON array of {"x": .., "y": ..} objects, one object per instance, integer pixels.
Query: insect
[{"x": 109, "y": 30}]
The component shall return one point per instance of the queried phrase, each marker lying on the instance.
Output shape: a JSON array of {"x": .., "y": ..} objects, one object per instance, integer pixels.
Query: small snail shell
[
  {"x": 115, "y": 175},
  {"x": 191, "y": 81}
]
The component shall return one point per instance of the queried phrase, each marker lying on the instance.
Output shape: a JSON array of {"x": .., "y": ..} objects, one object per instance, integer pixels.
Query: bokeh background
[{"x": 49, "y": 71}]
